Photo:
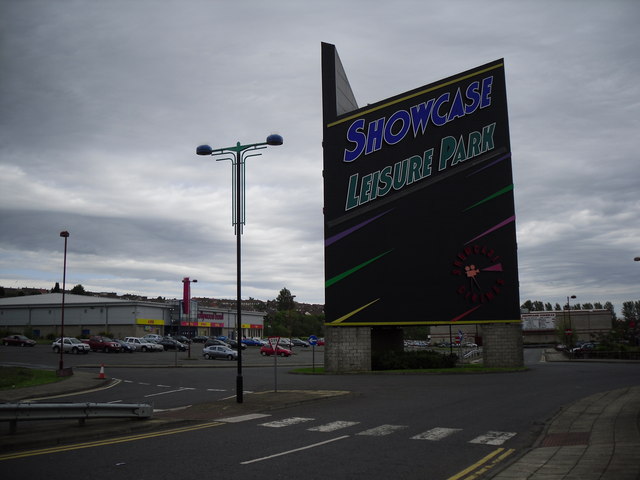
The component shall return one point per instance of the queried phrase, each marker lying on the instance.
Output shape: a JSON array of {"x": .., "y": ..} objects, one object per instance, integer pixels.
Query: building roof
[{"x": 56, "y": 299}]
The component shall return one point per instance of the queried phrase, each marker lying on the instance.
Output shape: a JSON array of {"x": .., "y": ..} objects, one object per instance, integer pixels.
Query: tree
[
  {"x": 78, "y": 290},
  {"x": 548, "y": 307},
  {"x": 609, "y": 306},
  {"x": 285, "y": 301},
  {"x": 631, "y": 311},
  {"x": 528, "y": 305},
  {"x": 56, "y": 288},
  {"x": 557, "y": 307}
]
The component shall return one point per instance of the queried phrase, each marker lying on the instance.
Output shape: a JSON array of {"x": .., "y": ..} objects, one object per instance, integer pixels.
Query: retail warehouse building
[
  {"x": 538, "y": 328},
  {"x": 41, "y": 315}
]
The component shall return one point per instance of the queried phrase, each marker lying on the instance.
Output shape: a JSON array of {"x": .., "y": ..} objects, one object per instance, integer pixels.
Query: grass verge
[{"x": 18, "y": 377}]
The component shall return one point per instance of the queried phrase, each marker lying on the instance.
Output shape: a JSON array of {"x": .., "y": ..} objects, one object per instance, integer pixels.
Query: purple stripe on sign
[
  {"x": 349, "y": 231},
  {"x": 494, "y": 228},
  {"x": 508, "y": 155}
]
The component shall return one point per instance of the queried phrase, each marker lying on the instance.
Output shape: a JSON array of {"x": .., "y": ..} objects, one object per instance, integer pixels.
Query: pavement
[{"x": 597, "y": 437}]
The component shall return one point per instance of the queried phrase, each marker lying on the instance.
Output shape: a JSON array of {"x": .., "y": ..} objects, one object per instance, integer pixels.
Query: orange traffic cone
[{"x": 101, "y": 376}]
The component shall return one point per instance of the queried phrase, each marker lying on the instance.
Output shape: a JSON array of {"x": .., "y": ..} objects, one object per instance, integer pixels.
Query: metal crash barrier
[{"x": 14, "y": 412}]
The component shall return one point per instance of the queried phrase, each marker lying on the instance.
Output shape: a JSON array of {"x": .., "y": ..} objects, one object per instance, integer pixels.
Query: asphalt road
[{"x": 392, "y": 426}]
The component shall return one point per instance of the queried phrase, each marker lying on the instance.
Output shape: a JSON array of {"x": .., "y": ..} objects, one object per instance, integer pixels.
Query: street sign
[
  {"x": 273, "y": 343},
  {"x": 568, "y": 331},
  {"x": 313, "y": 341}
]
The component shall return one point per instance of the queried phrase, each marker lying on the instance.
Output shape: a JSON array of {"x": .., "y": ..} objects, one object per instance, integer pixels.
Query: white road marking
[
  {"x": 294, "y": 450},
  {"x": 333, "y": 426},
  {"x": 169, "y": 391},
  {"x": 243, "y": 418},
  {"x": 436, "y": 434},
  {"x": 175, "y": 409},
  {"x": 234, "y": 396},
  {"x": 493, "y": 438},
  {"x": 216, "y": 390},
  {"x": 382, "y": 430},
  {"x": 285, "y": 422}
]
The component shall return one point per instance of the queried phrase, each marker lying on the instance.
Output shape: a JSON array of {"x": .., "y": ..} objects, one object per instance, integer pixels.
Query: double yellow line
[
  {"x": 110, "y": 441},
  {"x": 483, "y": 465}
]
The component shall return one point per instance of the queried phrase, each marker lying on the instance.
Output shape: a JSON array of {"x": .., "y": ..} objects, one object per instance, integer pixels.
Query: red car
[
  {"x": 267, "y": 350},
  {"x": 18, "y": 340}
]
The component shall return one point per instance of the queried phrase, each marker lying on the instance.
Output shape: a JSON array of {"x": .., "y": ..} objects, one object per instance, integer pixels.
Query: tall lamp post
[
  {"x": 186, "y": 305},
  {"x": 238, "y": 155},
  {"x": 64, "y": 235},
  {"x": 569, "y": 315}
]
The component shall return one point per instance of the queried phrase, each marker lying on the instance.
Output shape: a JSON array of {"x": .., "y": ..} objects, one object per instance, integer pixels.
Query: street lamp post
[
  {"x": 64, "y": 235},
  {"x": 186, "y": 306},
  {"x": 569, "y": 315},
  {"x": 238, "y": 155}
]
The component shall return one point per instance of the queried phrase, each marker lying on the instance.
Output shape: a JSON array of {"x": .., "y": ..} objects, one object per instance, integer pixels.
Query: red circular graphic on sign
[{"x": 480, "y": 272}]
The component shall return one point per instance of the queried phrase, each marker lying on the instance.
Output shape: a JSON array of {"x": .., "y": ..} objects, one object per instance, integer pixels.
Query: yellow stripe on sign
[
  {"x": 111, "y": 441},
  {"x": 480, "y": 464},
  {"x": 412, "y": 95}
]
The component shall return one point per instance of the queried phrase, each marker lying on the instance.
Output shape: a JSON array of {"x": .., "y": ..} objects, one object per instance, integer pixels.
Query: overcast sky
[{"x": 103, "y": 103}]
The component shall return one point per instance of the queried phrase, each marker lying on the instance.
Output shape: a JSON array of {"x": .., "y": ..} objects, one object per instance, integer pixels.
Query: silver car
[
  {"x": 71, "y": 344},
  {"x": 219, "y": 351}
]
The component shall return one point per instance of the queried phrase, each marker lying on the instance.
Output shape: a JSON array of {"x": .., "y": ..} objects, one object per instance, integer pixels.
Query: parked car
[
  {"x": 219, "y": 351},
  {"x": 170, "y": 343},
  {"x": 215, "y": 341},
  {"x": 126, "y": 347},
  {"x": 18, "y": 340},
  {"x": 252, "y": 342},
  {"x": 71, "y": 345},
  {"x": 143, "y": 345},
  {"x": 154, "y": 337},
  {"x": 157, "y": 347},
  {"x": 234, "y": 344},
  {"x": 583, "y": 348},
  {"x": 296, "y": 342},
  {"x": 182, "y": 339},
  {"x": 104, "y": 344},
  {"x": 268, "y": 350},
  {"x": 199, "y": 339},
  {"x": 321, "y": 342}
]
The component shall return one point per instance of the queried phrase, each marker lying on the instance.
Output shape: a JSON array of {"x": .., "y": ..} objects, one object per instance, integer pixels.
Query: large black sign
[{"x": 418, "y": 203}]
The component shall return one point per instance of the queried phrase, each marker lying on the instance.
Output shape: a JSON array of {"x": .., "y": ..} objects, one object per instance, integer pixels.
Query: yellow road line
[
  {"x": 110, "y": 441},
  {"x": 482, "y": 465}
]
